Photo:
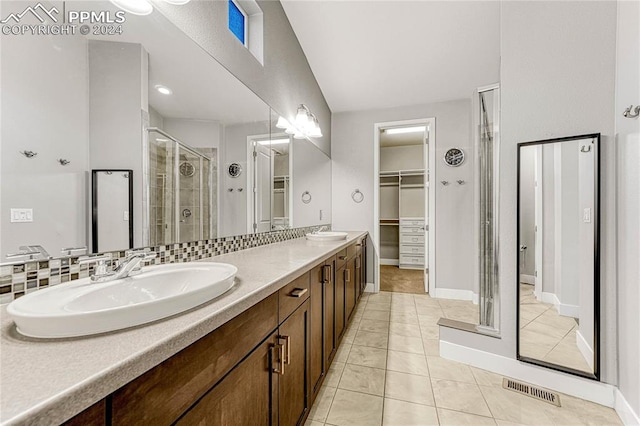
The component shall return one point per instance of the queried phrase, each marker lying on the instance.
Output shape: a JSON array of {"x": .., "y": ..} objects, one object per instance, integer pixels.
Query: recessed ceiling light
[
  {"x": 177, "y": 2},
  {"x": 137, "y": 7},
  {"x": 163, "y": 89},
  {"x": 400, "y": 130}
]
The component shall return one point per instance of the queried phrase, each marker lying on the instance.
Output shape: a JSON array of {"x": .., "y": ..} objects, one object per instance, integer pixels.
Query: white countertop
[{"x": 50, "y": 381}]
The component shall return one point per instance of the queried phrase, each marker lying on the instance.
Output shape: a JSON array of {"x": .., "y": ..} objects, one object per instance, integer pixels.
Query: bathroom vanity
[{"x": 256, "y": 355}]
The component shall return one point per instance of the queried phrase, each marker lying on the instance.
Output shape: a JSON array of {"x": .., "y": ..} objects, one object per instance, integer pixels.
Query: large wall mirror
[
  {"x": 152, "y": 102},
  {"x": 558, "y": 283}
]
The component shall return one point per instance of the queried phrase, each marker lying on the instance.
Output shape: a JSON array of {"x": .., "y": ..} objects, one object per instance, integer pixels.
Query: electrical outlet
[{"x": 21, "y": 215}]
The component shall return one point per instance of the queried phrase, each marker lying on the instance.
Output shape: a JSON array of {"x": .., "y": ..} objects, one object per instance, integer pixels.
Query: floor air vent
[{"x": 532, "y": 391}]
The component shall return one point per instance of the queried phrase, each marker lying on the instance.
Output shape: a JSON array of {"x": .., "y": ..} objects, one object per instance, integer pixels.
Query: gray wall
[
  {"x": 285, "y": 80},
  {"x": 352, "y": 155},
  {"x": 527, "y": 210},
  {"x": 628, "y": 186},
  {"x": 554, "y": 82},
  {"x": 116, "y": 71},
  {"x": 50, "y": 118},
  {"x": 311, "y": 172}
]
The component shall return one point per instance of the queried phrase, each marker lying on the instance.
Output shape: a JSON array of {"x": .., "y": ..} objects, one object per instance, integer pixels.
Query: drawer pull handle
[
  {"x": 280, "y": 361},
  {"x": 342, "y": 257},
  {"x": 326, "y": 274},
  {"x": 287, "y": 344},
  {"x": 298, "y": 292},
  {"x": 347, "y": 275}
]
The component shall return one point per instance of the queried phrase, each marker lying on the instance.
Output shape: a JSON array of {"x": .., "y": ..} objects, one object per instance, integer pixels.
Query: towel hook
[
  {"x": 306, "y": 197},
  {"x": 357, "y": 196},
  {"x": 28, "y": 154},
  {"x": 585, "y": 148},
  {"x": 628, "y": 114},
  {"x": 63, "y": 161},
  {"x": 444, "y": 182}
]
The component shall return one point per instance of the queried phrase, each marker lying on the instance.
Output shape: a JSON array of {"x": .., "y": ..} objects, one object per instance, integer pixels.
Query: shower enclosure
[
  {"x": 181, "y": 190},
  {"x": 488, "y": 141}
]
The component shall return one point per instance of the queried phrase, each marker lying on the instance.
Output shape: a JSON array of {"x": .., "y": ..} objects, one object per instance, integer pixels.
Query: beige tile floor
[
  {"x": 388, "y": 372},
  {"x": 546, "y": 335}
]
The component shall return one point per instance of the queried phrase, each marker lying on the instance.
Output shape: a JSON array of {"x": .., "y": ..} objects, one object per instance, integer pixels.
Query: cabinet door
[
  {"x": 330, "y": 344},
  {"x": 358, "y": 275},
  {"x": 340, "y": 306},
  {"x": 318, "y": 328},
  {"x": 246, "y": 396},
  {"x": 350, "y": 287},
  {"x": 294, "y": 392}
]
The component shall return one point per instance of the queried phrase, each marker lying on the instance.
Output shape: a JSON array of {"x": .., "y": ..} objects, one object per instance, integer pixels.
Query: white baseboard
[
  {"x": 625, "y": 411},
  {"x": 390, "y": 262},
  {"x": 569, "y": 310},
  {"x": 455, "y": 294},
  {"x": 370, "y": 288},
  {"x": 598, "y": 392},
  {"x": 550, "y": 298},
  {"x": 585, "y": 349},
  {"x": 527, "y": 279}
]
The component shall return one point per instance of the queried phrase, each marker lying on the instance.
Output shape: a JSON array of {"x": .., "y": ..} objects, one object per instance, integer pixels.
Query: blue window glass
[{"x": 236, "y": 21}]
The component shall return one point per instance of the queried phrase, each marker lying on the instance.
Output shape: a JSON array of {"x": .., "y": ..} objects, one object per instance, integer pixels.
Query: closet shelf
[{"x": 412, "y": 185}]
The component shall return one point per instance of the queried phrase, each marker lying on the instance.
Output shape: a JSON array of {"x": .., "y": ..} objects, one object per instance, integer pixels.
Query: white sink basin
[
  {"x": 327, "y": 236},
  {"x": 83, "y": 308}
]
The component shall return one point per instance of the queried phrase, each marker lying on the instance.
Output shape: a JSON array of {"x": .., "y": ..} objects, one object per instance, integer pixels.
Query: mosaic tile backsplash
[{"x": 19, "y": 279}]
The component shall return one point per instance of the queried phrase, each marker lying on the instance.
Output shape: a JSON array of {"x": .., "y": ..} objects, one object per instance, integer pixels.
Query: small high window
[
  {"x": 238, "y": 22},
  {"x": 247, "y": 25}
]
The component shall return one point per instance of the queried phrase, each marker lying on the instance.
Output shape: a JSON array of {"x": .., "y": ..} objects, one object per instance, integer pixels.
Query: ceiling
[
  {"x": 202, "y": 88},
  {"x": 383, "y": 54}
]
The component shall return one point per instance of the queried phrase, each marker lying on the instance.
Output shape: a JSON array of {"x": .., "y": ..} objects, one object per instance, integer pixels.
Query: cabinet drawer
[
  {"x": 407, "y": 249},
  {"x": 411, "y": 260},
  {"x": 411, "y": 230},
  {"x": 293, "y": 295},
  {"x": 412, "y": 239},
  {"x": 412, "y": 222}
]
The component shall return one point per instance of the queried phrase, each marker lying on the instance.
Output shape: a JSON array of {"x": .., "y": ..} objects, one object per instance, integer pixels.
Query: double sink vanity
[{"x": 257, "y": 354}]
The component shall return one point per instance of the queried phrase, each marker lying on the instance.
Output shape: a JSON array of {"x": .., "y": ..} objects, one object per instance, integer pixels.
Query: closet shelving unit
[
  {"x": 280, "y": 202},
  {"x": 402, "y": 218}
]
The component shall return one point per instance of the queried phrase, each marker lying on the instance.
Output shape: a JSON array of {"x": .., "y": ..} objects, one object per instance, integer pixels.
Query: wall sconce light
[{"x": 305, "y": 124}]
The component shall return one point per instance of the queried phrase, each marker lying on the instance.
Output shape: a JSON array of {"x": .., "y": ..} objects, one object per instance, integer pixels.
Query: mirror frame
[
  {"x": 596, "y": 258},
  {"x": 94, "y": 207}
]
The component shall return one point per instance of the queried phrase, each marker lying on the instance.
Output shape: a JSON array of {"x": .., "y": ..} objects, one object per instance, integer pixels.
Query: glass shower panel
[
  {"x": 488, "y": 197},
  {"x": 189, "y": 195},
  {"x": 207, "y": 219},
  {"x": 161, "y": 190}
]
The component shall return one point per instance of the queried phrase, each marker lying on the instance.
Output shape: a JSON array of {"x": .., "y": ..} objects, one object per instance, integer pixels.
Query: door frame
[
  {"x": 251, "y": 179},
  {"x": 429, "y": 160},
  {"x": 539, "y": 223}
]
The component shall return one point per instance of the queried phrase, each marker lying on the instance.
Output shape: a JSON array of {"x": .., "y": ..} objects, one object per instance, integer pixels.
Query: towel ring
[
  {"x": 357, "y": 196},
  {"x": 306, "y": 197}
]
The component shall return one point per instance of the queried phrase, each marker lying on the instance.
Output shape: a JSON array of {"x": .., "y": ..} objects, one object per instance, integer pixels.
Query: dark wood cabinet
[
  {"x": 246, "y": 396},
  {"x": 294, "y": 390},
  {"x": 350, "y": 287},
  {"x": 322, "y": 323},
  {"x": 340, "y": 314},
  {"x": 263, "y": 367}
]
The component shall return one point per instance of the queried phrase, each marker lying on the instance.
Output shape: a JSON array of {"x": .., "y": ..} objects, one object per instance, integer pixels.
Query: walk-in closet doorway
[{"x": 404, "y": 207}]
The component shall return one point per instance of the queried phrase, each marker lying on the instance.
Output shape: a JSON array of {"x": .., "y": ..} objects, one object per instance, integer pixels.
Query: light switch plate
[
  {"x": 21, "y": 215},
  {"x": 586, "y": 215}
]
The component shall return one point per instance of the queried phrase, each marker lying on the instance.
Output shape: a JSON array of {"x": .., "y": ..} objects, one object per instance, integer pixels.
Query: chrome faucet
[
  {"x": 319, "y": 229},
  {"x": 126, "y": 268},
  {"x": 34, "y": 252}
]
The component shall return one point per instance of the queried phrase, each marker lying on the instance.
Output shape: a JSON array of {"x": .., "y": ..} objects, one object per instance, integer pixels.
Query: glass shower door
[{"x": 188, "y": 195}]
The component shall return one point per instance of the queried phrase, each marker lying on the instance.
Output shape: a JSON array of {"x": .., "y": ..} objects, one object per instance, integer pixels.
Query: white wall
[
  {"x": 194, "y": 133},
  {"x": 557, "y": 79},
  {"x": 50, "y": 117},
  {"x": 352, "y": 155},
  {"x": 394, "y": 158},
  {"x": 116, "y": 71},
  {"x": 628, "y": 186},
  {"x": 311, "y": 172}
]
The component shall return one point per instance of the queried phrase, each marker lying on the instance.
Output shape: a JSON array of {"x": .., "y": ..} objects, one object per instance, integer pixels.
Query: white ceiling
[
  {"x": 202, "y": 88},
  {"x": 381, "y": 54}
]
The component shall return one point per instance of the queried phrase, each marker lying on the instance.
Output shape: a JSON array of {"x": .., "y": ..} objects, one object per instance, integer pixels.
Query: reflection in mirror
[
  {"x": 149, "y": 100},
  {"x": 558, "y": 249},
  {"x": 112, "y": 203}
]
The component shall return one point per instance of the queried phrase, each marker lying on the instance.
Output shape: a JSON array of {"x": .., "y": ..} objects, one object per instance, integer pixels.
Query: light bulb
[
  {"x": 136, "y": 7},
  {"x": 282, "y": 123}
]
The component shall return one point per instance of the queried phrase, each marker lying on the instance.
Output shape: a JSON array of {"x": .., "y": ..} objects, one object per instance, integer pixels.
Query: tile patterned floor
[
  {"x": 388, "y": 371},
  {"x": 546, "y": 335}
]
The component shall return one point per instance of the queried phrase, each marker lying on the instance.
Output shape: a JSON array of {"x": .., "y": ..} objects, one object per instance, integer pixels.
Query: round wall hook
[
  {"x": 306, "y": 197},
  {"x": 357, "y": 196}
]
